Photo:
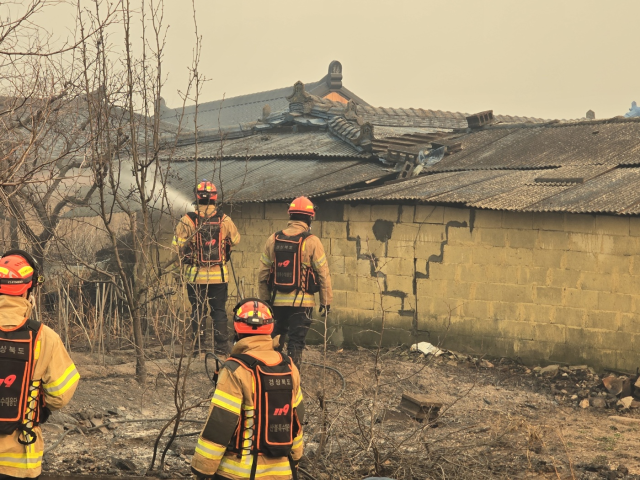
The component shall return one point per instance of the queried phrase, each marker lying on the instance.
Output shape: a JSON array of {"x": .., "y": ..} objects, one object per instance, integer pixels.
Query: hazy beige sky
[{"x": 543, "y": 58}]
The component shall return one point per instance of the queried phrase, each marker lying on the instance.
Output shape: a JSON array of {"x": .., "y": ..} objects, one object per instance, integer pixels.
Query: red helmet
[
  {"x": 302, "y": 205},
  {"x": 206, "y": 191},
  {"x": 252, "y": 316},
  {"x": 17, "y": 271}
]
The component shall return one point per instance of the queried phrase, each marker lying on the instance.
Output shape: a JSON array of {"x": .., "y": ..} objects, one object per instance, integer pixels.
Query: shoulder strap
[
  {"x": 33, "y": 325},
  {"x": 193, "y": 216},
  {"x": 247, "y": 360}
]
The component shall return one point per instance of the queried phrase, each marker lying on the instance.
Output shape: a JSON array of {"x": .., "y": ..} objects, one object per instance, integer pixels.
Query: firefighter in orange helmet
[
  {"x": 36, "y": 372},
  {"x": 294, "y": 268},
  {"x": 254, "y": 428},
  {"x": 204, "y": 239}
]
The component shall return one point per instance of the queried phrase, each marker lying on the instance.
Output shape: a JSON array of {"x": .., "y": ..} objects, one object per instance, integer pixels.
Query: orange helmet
[
  {"x": 252, "y": 316},
  {"x": 302, "y": 205},
  {"x": 206, "y": 191},
  {"x": 17, "y": 271}
]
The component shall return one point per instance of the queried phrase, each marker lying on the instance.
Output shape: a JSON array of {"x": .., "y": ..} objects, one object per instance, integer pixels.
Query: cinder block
[
  {"x": 405, "y": 232},
  {"x": 630, "y": 323},
  {"x": 577, "y": 298},
  {"x": 477, "y": 309},
  {"x": 612, "y": 225},
  {"x": 516, "y": 293},
  {"x": 624, "y": 245},
  {"x": 534, "y": 313},
  {"x": 363, "y": 230},
  {"x": 581, "y": 261},
  {"x": 440, "y": 271},
  {"x": 385, "y": 212},
  {"x": 547, "y": 258},
  {"x": 496, "y": 237},
  {"x": 360, "y": 300},
  {"x": 550, "y": 332},
  {"x": 424, "y": 250},
  {"x": 456, "y": 254},
  {"x": 431, "y": 288},
  {"x": 486, "y": 255},
  {"x": 396, "y": 248},
  {"x": 357, "y": 213},
  {"x": 488, "y": 219},
  {"x": 634, "y": 226},
  {"x": 462, "y": 236},
  {"x": 456, "y": 215},
  {"x": 489, "y": 292},
  {"x": 342, "y": 247},
  {"x": 501, "y": 274},
  {"x": 431, "y": 233},
  {"x": 614, "y": 302},
  {"x": 587, "y": 242},
  {"x": 466, "y": 273},
  {"x": 396, "y": 266},
  {"x": 458, "y": 290},
  {"x": 517, "y": 220},
  {"x": 407, "y": 213},
  {"x": 522, "y": 238},
  {"x": 570, "y": 317},
  {"x": 334, "y": 230},
  {"x": 402, "y": 283},
  {"x": 628, "y": 284},
  {"x": 614, "y": 264},
  {"x": 602, "y": 320},
  {"x": 429, "y": 214},
  {"x": 276, "y": 211},
  {"x": 339, "y": 299},
  {"x": 369, "y": 284},
  {"x": 596, "y": 281},
  {"x": 505, "y": 311},
  {"x": 533, "y": 275},
  {"x": 336, "y": 264},
  {"x": 563, "y": 278},
  {"x": 516, "y": 330},
  {"x": 350, "y": 263},
  {"x": 518, "y": 256},
  {"x": 581, "y": 223},
  {"x": 548, "y": 295},
  {"x": 550, "y": 240},
  {"x": 345, "y": 282},
  {"x": 253, "y": 210},
  {"x": 391, "y": 303},
  {"x": 548, "y": 221}
]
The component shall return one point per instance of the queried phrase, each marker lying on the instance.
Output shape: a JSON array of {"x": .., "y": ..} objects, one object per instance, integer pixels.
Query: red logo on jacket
[
  {"x": 281, "y": 411},
  {"x": 284, "y": 264},
  {"x": 210, "y": 243}
]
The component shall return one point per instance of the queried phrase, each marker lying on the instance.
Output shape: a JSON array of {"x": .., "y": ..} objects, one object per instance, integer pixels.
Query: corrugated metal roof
[
  {"x": 274, "y": 179},
  {"x": 584, "y": 143},
  {"x": 519, "y": 198},
  {"x": 269, "y": 143}
]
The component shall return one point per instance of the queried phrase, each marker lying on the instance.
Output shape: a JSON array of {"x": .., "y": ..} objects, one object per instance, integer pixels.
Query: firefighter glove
[{"x": 325, "y": 307}]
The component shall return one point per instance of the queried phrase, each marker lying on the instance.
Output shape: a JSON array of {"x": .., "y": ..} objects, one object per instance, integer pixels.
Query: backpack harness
[
  {"x": 21, "y": 398},
  {"x": 288, "y": 272},
  {"x": 210, "y": 248},
  {"x": 274, "y": 426}
]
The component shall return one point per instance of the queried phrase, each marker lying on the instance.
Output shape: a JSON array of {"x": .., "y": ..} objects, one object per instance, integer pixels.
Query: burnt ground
[{"x": 498, "y": 420}]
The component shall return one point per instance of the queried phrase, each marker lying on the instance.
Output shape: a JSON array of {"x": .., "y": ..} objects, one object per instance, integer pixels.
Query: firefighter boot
[{"x": 296, "y": 357}]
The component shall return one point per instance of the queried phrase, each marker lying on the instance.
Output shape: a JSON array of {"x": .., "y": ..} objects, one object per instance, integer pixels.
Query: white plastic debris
[
  {"x": 427, "y": 349},
  {"x": 634, "y": 111}
]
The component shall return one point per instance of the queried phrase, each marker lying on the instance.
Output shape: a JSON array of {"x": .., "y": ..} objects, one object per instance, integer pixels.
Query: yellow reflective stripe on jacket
[
  {"x": 266, "y": 260},
  {"x": 320, "y": 262},
  {"x": 298, "y": 398},
  {"x": 236, "y": 239},
  {"x": 178, "y": 241},
  {"x": 294, "y": 299},
  {"x": 227, "y": 401},
  {"x": 207, "y": 274},
  {"x": 62, "y": 384},
  {"x": 209, "y": 450},
  {"x": 21, "y": 460},
  {"x": 297, "y": 441},
  {"x": 243, "y": 468}
]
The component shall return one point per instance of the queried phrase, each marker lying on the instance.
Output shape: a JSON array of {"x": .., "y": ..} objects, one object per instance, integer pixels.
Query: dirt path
[{"x": 497, "y": 421}]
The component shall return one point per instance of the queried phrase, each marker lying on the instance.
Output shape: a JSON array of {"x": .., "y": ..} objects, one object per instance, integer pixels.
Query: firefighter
[
  {"x": 254, "y": 429},
  {"x": 204, "y": 239},
  {"x": 36, "y": 372},
  {"x": 294, "y": 267}
]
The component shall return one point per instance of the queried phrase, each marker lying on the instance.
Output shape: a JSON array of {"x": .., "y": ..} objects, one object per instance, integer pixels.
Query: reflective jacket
[
  {"x": 235, "y": 392},
  {"x": 57, "y": 375},
  {"x": 185, "y": 232},
  {"x": 313, "y": 256}
]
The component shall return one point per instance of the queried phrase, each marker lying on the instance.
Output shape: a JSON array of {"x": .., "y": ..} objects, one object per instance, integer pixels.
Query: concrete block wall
[{"x": 554, "y": 287}]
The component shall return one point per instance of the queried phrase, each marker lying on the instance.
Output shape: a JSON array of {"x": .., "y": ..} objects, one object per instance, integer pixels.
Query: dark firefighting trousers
[
  {"x": 293, "y": 322},
  {"x": 215, "y": 294}
]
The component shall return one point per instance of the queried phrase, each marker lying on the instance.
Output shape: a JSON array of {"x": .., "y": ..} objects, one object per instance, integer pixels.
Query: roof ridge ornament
[
  {"x": 300, "y": 101},
  {"x": 351, "y": 112},
  {"x": 334, "y": 77}
]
